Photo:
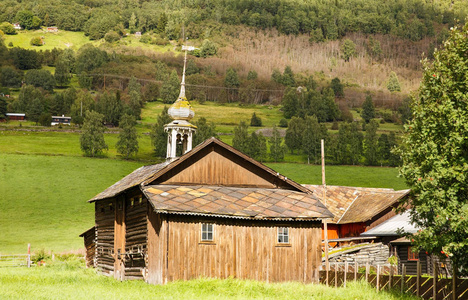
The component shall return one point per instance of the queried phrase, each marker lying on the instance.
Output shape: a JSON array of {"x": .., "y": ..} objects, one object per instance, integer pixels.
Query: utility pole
[{"x": 324, "y": 198}]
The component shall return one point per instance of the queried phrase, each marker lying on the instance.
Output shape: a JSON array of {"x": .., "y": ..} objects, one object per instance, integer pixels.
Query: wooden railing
[
  {"x": 15, "y": 260},
  {"x": 385, "y": 277}
]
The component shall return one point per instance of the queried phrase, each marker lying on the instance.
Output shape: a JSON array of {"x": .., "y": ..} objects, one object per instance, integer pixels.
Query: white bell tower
[{"x": 180, "y": 131}]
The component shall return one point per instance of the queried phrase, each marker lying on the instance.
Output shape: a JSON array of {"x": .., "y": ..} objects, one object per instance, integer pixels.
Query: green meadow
[{"x": 69, "y": 280}]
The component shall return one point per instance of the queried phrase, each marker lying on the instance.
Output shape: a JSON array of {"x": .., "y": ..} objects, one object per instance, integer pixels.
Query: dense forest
[{"x": 331, "y": 19}]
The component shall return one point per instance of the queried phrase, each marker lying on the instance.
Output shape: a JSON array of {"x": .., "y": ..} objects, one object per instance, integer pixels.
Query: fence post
[
  {"x": 367, "y": 271},
  {"x": 29, "y": 255},
  {"x": 454, "y": 282},
  {"x": 336, "y": 274},
  {"x": 378, "y": 277},
  {"x": 434, "y": 287},
  {"x": 345, "y": 272},
  {"x": 355, "y": 270},
  {"x": 418, "y": 279},
  {"x": 403, "y": 275}
]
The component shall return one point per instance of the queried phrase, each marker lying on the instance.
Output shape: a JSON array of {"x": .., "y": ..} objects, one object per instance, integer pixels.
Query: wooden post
[
  {"x": 367, "y": 271},
  {"x": 324, "y": 199},
  {"x": 418, "y": 279},
  {"x": 345, "y": 272},
  {"x": 403, "y": 275},
  {"x": 454, "y": 282},
  {"x": 378, "y": 278},
  {"x": 29, "y": 255},
  {"x": 355, "y": 270},
  {"x": 435, "y": 274},
  {"x": 390, "y": 278},
  {"x": 336, "y": 274}
]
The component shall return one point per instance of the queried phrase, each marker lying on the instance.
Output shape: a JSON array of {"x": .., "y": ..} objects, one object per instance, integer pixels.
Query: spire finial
[{"x": 182, "y": 84}]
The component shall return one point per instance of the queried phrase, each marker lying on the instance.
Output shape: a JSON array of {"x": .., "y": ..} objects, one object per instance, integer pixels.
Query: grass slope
[
  {"x": 43, "y": 199},
  {"x": 59, "y": 40},
  {"x": 66, "y": 281}
]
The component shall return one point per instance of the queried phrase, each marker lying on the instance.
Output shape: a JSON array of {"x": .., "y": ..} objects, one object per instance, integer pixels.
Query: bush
[
  {"x": 112, "y": 36},
  {"x": 45, "y": 119},
  {"x": 7, "y": 28},
  {"x": 146, "y": 39},
  {"x": 283, "y": 123},
  {"x": 160, "y": 41},
  {"x": 36, "y": 41}
]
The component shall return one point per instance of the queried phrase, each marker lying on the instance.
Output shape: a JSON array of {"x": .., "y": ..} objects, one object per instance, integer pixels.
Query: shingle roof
[
  {"x": 131, "y": 180},
  {"x": 390, "y": 226},
  {"x": 258, "y": 203},
  {"x": 356, "y": 204}
]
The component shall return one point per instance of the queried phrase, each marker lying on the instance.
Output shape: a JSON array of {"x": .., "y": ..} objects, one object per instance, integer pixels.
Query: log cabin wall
[
  {"x": 241, "y": 248},
  {"x": 135, "y": 236},
  {"x": 105, "y": 217},
  {"x": 89, "y": 238}
]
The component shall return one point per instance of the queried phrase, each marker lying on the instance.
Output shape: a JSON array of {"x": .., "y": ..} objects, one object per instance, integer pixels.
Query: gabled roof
[
  {"x": 129, "y": 181},
  {"x": 251, "y": 203},
  {"x": 149, "y": 174},
  {"x": 391, "y": 226},
  {"x": 356, "y": 204}
]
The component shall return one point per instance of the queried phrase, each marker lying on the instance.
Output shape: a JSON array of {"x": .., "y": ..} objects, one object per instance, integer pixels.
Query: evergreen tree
[
  {"x": 289, "y": 103},
  {"x": 331, "y": 108},
  {"x": 288, "y": 77},
  {"x": 128, "y": 137},
  {"x": 170, "y": 88},
  {"x": 158, "y": 135},
  {"x": 162, "y": 71},
  {"x": 134, "y": 104},
  {"x": 383, "y": 148},
  {"x": 393, "y": 85},
  {"x": 371, "y": 146},
  {"x": 62, "y": 73},
  {"x": 92, "y": 136},
  {"x": 241, "y": 136},
  {"x": 255, "y": 121},
  {"x": 394, "y": 158},
  {"x": 276, "y": 146},
  {"x": 348, "y": 49},
  {"x": 252, "y": 75},
  {"x": 368, "y": 109},
  {"x": 134, "y": 85},
  {"x": 132, "y": 23},
  {"x": 204, "y": 131},
  {"x": 294, "y": 133},
  {"x": 337, "y": 87},
  {"x": 313, "y": 134}
]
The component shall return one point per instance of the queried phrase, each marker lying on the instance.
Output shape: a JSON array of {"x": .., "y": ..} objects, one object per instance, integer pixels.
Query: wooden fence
[
  {"x": 385, "y": 277},
  {"x": 15, "y": 260}
]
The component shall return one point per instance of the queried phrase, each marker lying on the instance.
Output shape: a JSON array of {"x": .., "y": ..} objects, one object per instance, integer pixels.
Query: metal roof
[
  {"x": 390, "y": 227},
  {"x": 257, "y": 203},
  {"x": 357, "y": 204}
]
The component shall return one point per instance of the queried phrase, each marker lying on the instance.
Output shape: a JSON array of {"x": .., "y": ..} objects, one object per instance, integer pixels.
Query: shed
[
  {"x": 16, "y": 116},
  {"x": 57, "y": 120},
  {"x": 213, "y": 212}
]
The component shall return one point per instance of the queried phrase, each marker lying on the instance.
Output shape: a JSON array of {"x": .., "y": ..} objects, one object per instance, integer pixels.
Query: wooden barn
[
  {"x": 357, "y": 210},
  {"x": 213, "y": 212}
]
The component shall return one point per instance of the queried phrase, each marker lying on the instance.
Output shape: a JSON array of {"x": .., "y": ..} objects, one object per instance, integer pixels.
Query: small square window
[
  {"x": 283, "y": 235},
  {"x": 412, "y": 255},
  {"x": 207, "y": 232}
]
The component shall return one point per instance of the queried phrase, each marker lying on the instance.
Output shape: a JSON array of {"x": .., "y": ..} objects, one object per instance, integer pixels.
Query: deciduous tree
[
  {"x": 92, "y": 136},
  {"x": 158, "y": 135},
  {"x": 128, "y": 137},
  {"x": 435, "y": 153},
  {"x": 277, "y": 148}
]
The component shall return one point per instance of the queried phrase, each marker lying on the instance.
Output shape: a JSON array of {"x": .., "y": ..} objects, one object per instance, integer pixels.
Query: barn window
[
  {"x": 283, "y": 235},
  {"x": 207, "y": 230},
  {"x": 412, "y": 255}
]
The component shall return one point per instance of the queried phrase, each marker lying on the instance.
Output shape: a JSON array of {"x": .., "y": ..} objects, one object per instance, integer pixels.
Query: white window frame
[
  {"x": 282, "y": 235},
  {"x": 205, "y": 228}
]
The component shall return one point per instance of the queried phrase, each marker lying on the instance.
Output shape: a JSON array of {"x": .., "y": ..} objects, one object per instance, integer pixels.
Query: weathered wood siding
[
  {"x": 411, "y": 265},
  {"x": 241, "y": 249},
  {"x": 135, "y": 236},
  {"x": 105, "y": 217},
  {"x": 89, "y": 238}
]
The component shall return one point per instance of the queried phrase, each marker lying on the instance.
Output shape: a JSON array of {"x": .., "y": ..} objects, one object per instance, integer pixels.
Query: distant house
[
  {"x": 52, "y": 29},
  {"x": 56, "y": 120},
  {"x": 16, "y": 116},
  {"x": 17, "y": 26},
  {"x": 357, "y": 209}
]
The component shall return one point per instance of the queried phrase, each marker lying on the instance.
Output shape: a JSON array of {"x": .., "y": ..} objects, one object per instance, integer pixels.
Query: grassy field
[
  {"x": 68, "y": 280},
  {"x": 44, "y": 198}
]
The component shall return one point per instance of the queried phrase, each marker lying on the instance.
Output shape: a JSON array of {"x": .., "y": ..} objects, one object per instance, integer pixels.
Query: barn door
[{"x": 119, "y": 239}]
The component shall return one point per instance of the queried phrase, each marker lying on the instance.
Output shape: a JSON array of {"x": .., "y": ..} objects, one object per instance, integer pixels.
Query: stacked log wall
[
  {"x": 89, "y": 238},
  {"x": 105, "y": 216},
  {"x": 135, "y": 237}
]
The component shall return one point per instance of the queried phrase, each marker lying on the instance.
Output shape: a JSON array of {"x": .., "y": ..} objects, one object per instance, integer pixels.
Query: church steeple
[{"x": 180, "y": 131}]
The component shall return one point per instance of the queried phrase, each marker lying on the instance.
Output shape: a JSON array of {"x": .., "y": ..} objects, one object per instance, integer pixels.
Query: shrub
[
  {"x": 112, "y": 36},
  {"x": 255, "y": 121},
  {"x": 36, "y": 41},
  {"x": 45, "y": 119},
  {"x": 7, "y": 28},
  {"x": 283, "y": 123},
  {"x": 145, "y": 39}
]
